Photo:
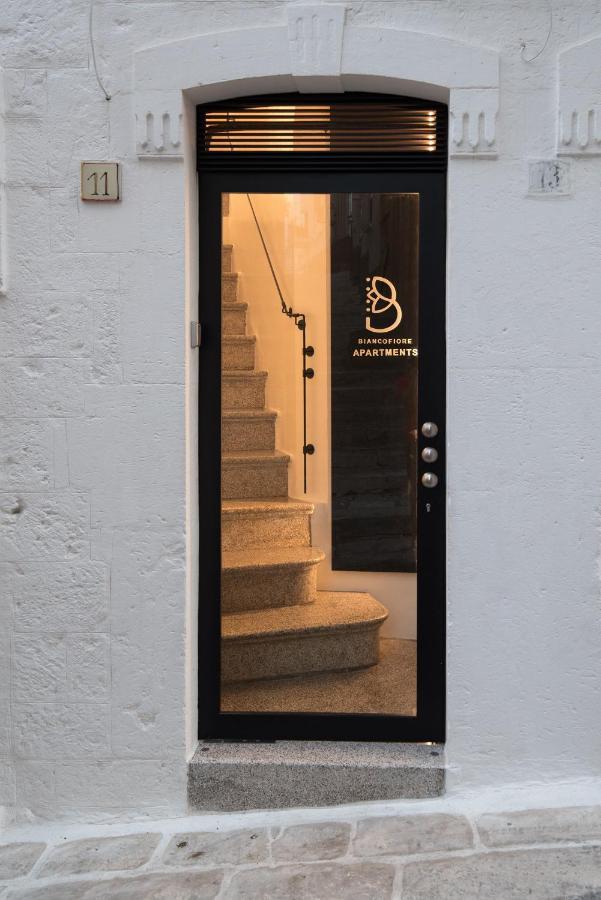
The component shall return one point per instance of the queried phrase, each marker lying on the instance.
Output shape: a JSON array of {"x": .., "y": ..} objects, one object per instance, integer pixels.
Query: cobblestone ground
[{"x": 547, "y": 854}]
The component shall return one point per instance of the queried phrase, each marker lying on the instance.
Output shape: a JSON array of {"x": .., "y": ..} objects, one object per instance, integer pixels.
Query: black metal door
[{"x": 369, "y": 177}]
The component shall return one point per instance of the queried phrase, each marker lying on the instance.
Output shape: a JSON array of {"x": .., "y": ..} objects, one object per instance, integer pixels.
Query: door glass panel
[{"x": 319, "y": 549}]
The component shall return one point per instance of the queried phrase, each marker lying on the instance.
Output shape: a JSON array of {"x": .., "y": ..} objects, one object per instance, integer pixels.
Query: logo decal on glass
[{"x": 381, "y": 299}]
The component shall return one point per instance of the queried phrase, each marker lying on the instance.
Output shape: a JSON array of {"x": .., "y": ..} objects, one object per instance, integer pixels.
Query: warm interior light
[{"x": 344, "y": 127}]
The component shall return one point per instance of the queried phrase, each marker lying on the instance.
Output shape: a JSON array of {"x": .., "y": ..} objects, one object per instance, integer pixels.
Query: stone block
[
  {"x": 41, "y": 387},
  {"x": 72, "y": 667},
  {"x": 35, "y": 786},
  {"x": 115, "y": 784},
  {"x": 82, "y": 271},
  {"x": 59, "y": 596},
  {"x": 405, "y": 835},
  {"x": 25, "y": 92},
  {"x": 74, "y": 97},
  {"x": 19, "y": 859},
  {"x": 357, "y": 881},
  {"x": 37, "y": 40},
  {"x": 187, "y": 886},
  {"x": 152, "y": 334},
  {"x": 103, "y": 854},
  {"x": 26, "y": 152},
  {"x": 28, "y": 238},
  {"x": 318, "y": 840},
  {"x": 44, "y": 526},
  {"x": 310, "y": 773},
  {"x": 104, "y": 365},
  {"x": 537, "y": 826},
  {"x": 209, "y": 848},
  {"x": 8, "y": 792},
  {"x": 5, "y": 717},
  {"x": 60, "y": 730},
  {"x": 39, "y": 667},
  {"x": 121, "y": 451},
  {"x": 80, "y": 226},
  {"x": 536, "y": 874},
  {"x": 26, "y": 455},
  {"x": 146, "y": 711},
  {"x": 50, "y": 324}
]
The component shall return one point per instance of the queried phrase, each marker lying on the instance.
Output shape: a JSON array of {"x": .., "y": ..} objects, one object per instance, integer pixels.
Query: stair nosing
[
  {"x": 257, "y": 559},
  {"x": 239, "y": 338},
  {"x": 237, "y": 412},
  {"x": 273, "y": 507},
  {"x": 239, "y": 457},
  {"x": 248, "y": 622}
]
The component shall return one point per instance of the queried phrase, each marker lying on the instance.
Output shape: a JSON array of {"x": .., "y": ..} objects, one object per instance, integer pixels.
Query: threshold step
[{"x": 228, "y": 777}]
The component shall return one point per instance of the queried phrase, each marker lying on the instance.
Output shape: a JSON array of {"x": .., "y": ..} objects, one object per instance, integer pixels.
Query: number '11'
[{"x": 104, "y": 175}]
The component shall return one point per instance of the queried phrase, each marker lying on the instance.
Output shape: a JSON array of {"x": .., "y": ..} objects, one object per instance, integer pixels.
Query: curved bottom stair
[{"x": 338, "y": 631}]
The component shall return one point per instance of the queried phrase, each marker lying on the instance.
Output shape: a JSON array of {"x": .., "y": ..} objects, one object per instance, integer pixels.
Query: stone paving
[{"x": 547, "y": 854}]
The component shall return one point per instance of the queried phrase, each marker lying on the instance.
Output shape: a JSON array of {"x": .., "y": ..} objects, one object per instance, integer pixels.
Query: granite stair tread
[
  {"x": 270, "y": 558},
  {"x": 287, "y": 506},
  {"x": 235, "y": 413},
  {"x": 332, "y": 611},
  {"x": 258, "y": 457},
  {"x": 243, "y": 373}
]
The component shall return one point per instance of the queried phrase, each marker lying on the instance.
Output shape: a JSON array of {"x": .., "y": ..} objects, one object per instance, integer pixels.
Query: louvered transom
[{"x": 411, "y": 131}]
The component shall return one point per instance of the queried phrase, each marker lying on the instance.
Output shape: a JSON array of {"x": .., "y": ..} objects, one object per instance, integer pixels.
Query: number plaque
[{"x": 100, "y": 181}]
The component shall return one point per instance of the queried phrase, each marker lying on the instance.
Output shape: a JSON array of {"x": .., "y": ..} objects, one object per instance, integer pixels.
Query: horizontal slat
[{"x": 338, "y": 127}]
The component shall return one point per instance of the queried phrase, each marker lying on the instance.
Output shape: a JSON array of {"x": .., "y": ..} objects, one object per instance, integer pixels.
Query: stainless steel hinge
[{"x": 195, "y": 334}]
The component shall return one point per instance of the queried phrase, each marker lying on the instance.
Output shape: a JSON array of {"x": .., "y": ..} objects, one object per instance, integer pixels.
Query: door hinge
[{"x": 195, "y": 334}]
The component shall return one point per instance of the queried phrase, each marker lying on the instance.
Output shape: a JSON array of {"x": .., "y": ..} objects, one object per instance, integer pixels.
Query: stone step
[
  {"x": 247, "y": 429},
  {"x": 233, "y": 318},
  {"x": 268, "y": 576},
  {"x": 254, "y": 474},
  {"x": 339, "y": 631},
  {"x": 249, "y": 524},
  {"x": 226, "y": 257},
  {"x": 238, "y": 352},
  {"x": 229, "y": 287},
  {"x": 237, "y": 776},
  {"x": 243, "y": 389}
]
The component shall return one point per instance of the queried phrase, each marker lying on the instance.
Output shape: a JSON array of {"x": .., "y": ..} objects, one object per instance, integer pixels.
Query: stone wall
[{"x": 97, "y": 515}]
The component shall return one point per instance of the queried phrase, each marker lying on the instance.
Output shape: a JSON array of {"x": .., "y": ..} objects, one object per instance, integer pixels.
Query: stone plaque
[{"x": 100, "y": 181}]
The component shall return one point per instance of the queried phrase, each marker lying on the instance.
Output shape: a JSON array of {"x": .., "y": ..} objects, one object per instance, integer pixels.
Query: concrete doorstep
[{"x": 544, "y": 854}]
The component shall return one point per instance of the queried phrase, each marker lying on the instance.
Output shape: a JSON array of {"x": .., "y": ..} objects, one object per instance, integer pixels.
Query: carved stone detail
[
  {"x": 315, "y": 38},
  {"x": 473, "y": 119},
  {"x": 579, "y": 131},
  {"x": 159, "y": 127}
]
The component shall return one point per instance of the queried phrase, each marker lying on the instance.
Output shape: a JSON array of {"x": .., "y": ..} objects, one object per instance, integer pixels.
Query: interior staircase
[{"x": 275, "y": 623}]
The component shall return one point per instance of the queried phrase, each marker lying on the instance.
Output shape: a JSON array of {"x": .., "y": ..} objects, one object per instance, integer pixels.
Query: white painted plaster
[{"x": 102, "y": 504}]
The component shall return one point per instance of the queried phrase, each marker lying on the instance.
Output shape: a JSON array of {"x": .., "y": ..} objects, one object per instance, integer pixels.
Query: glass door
[{"x": 322, "y": 456}]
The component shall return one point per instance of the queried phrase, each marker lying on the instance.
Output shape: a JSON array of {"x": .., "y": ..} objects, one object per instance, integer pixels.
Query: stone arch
[{"x": 315, "y": 50}]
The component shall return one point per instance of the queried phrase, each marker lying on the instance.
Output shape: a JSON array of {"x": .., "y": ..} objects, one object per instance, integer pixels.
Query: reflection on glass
[{"x": 318, "y": 596}]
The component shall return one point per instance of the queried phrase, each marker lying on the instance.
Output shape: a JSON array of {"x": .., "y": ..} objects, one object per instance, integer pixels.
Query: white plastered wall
[{"x": 98, "y": 516}]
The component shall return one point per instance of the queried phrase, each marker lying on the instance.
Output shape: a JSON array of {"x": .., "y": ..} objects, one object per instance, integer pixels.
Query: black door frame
[{"x": 429, "y": 723}]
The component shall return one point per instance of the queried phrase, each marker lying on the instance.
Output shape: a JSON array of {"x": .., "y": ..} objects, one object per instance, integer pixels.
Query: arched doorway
[{"x": 335, "y": 206}]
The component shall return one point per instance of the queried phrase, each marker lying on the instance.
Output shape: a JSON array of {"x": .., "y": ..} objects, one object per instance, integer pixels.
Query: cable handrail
[{"x": 300, "y": 320}]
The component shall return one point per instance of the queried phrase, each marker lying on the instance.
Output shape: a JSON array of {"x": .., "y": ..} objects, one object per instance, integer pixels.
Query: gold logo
[{"x": 378, "y": 302}]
